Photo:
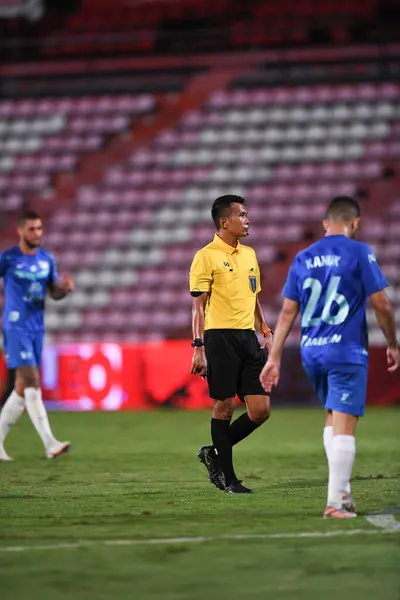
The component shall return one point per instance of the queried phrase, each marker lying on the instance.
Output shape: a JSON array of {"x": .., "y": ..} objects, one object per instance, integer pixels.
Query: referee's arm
[
  {"x": 201, "y": 277},
  {"x": 259, "y": 320},
  {"x": 261, "y": 325},
  {"x": 199, "y": 362}
]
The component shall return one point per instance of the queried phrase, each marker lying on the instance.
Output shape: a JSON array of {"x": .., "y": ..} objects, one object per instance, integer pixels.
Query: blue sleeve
[
  {"x": 53, "y": 273},
  {"x": 372, "y": 277},
  {"x": 3, "y": 264},
  {"x": 291, "y": 288}
]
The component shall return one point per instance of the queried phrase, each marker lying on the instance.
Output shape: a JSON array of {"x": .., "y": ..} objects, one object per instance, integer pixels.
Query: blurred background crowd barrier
[{"x": 156, "y": 374}]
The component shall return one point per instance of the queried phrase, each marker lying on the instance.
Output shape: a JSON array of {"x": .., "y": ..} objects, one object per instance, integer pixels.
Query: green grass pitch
[{"x": 136, "y": 477}]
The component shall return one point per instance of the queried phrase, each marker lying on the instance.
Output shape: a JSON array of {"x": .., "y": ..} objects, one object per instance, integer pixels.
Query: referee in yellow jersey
[{"x": 224, "y": 283}]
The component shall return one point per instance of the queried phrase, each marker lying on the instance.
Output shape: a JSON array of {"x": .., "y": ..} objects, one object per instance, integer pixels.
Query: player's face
[
  {"x": 237, "y": 223},
  {"x": 31, "y": 233}
]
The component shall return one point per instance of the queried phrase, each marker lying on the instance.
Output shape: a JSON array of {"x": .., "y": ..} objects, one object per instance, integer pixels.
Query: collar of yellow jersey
[{"x": 224, "y": 246}]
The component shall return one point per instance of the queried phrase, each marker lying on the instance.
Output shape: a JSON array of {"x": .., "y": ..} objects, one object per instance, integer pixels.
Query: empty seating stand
[
  {"x": 129, "y": 240},
  {"x": 41, "y": 137}
]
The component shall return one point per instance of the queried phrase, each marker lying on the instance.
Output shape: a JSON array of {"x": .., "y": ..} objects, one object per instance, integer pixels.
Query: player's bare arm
[
  {"x": 199, "y": 362},
  {"x": 262, "y": 326},
  {"x": 385, "y": 316},
  {"x": 61, "y": 288},
  {"x": 270, "y": 374}
]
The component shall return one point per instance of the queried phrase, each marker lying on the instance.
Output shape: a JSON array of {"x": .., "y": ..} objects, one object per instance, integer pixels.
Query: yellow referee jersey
[{"x": 231, "y": 276}]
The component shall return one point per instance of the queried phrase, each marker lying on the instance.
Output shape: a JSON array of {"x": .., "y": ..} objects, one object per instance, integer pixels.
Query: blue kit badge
[{"x": 253, "y": 283}]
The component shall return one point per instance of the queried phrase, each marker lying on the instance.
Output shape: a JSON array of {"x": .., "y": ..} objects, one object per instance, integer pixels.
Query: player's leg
[
  {"x": 328, "y": 433},
  {"x": 318, "y": 376},
  {"x": 10, "y": 383},
  {"x": 340, "y": 503},
  {"x": 34, "y": 402},
  {"x": 328, "y": 439},
  {"x": 347, "y": 386},
  {"x": 10, "y": 414},
  {"x": 15, "y": 403}
]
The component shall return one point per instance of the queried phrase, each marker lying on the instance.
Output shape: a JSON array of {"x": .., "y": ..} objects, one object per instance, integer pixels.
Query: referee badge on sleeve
[{"x": 253, "y": 283}]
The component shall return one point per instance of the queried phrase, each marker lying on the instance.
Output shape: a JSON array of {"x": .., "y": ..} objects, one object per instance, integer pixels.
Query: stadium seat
[{"x": 287, "y": 150}]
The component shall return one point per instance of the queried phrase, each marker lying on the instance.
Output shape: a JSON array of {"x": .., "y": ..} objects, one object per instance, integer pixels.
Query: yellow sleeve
[
  {"x": 201, "y": 273},
  {"x": 258, "y": 275}
]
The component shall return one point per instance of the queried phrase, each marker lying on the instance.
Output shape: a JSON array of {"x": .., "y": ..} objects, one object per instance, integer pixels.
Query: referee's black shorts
[{"x": 234, "y": 363}]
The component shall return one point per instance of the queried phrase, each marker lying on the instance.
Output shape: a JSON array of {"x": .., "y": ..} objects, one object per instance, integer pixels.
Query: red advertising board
[
  {"x": 122, "y": 376},
  {"x": 146, "y": 376}
]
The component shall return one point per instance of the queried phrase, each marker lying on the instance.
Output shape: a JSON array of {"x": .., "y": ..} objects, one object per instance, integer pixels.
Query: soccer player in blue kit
[
  {"x": 29, "y": 273},
  {"x": 329, "y": 283}
]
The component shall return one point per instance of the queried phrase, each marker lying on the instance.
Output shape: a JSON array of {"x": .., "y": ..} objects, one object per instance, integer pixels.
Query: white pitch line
[
  {"x": 386, "y": 522},
  {"x": 196, "y": 540}
]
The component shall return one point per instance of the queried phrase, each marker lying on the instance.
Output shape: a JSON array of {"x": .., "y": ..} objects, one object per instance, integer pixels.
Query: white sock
[
  {"x": 11, "y": 412},
  {"x": 328, "y": 437},
  {"x": 343, "y": 451},
  {"x": 38, "y": 415}
]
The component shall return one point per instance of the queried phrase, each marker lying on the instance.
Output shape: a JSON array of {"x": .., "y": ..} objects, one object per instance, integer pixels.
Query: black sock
[
  {"x": 221, "y": 440},
  {"x": 241, "y": 428}
]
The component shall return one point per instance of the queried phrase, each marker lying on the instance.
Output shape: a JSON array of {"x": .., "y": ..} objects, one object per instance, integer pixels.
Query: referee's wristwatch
[
  {"x": 266, "y": 331},
  {"x": 197, "y": 343}
]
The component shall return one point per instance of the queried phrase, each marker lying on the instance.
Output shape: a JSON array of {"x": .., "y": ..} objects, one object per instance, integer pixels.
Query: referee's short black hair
[
  {"x": 343, "y": 208},
  {"x": 222, "y": 207},
  {"x": 27, "y": 215}
]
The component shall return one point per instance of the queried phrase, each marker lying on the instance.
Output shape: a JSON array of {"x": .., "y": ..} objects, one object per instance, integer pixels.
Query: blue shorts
[
  {"x": 342, "y": 388},
  {"x": 23, "y": 349}
]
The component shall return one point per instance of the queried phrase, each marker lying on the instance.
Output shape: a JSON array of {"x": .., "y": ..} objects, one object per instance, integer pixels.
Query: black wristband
[{"x": 197, "y": 343}]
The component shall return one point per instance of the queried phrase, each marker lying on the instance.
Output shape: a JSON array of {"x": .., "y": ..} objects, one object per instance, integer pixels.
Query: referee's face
[{"x": 237, "y": 223}]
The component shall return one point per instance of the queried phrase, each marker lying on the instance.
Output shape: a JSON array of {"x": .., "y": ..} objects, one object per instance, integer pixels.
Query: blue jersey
[
  {"x": 26, "y": 277},
  {"x": 332, "y": 280}
]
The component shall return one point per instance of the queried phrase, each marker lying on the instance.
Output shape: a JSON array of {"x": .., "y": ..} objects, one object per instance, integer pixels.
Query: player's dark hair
[
  {"x": 343, "y": 208},
  {"x": 27, "y": 215},
  {"x": 222, "y": 207}
]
